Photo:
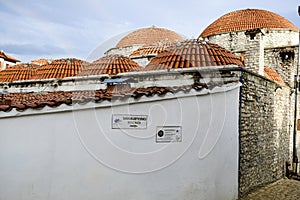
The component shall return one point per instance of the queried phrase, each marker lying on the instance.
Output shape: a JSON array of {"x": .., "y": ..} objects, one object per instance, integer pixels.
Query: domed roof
[
  {"x": 110, "y": 64},
  {"x": 60, "y": 68},
  {"x": 247, "y": 19},
  {"x": 146, "y": 36},
  {"x": 193, "y": 53},
  {"x": 151, "y": 50},
  {"x": 22, "y": 71}
]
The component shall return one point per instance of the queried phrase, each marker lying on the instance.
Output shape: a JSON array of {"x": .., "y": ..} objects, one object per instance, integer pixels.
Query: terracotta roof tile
[
  {"x": 245, "y": 20},
  {"x": 41, "y": 61},
  {"x": 23, "y": 101},
  {"x": 146, "y": 36},
  {"x": 110, "y": 64},
  {"x": 273, "y": 75},
  {"x": 22, "y": 71},
  {"x": 193, "y": 53},
  {"x": 151, "y": 50},
  {"x": 60, "y": 68},
  {"x": 146, "y": 51},
  {"x": 8, "y": 57}
]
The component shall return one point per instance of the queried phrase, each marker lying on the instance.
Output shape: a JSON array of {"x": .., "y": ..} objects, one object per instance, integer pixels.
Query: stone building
[
  {"x": 143, "y": 44},
  {"x": 56, "y": 129},
  {"x": 262, "y": 37},
  {"x": 266, "y": 41}
]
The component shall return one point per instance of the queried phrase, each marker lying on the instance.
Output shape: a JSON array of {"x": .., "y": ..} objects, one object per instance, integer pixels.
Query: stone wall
[
  {"x": 280, "y": 49},
  {"x": 142, "y": 61},
  {"x": 125, "y": 51},
  {"x": 265, "y": 129},
  {"x": 283, "y": 60},
  {"x": 280, "y": 38},
  {"x": 236, "y": 41},
  {"x": 254, "y": 51}
]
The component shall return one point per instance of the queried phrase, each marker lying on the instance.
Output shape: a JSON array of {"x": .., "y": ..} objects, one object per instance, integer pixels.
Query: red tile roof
[
  {"x": 273, "y": 75},
  {"x": 60, "y": 68},
  {"x": 42, "y": 61},
  {"x": 23, "y": 101},
  {"x": 110, "y": 64},
  {"x": 247, "y": 19},
  {"x": 8, "y": 57},
  {"x": 150, "y": 50},
  {"x": 147, "y": 51},
  {"x": 146, "y": 36},
  {"x": 193, "y": 53},
  {"x": 22, "y": 71}
]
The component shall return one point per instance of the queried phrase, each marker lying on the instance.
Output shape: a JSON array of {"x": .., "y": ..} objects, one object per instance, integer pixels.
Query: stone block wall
[
  {"x": 236, "y": 41},
  {"x": 273, "y": 41},
  {"x": 265, "y": 129},
  {"x": 283, "y": 60},
  {"x": 254, "y": 52},
  {"x": 280, "y": 38},
  {"x": 125, "y": 51},
  {"x": 142, "y": 61}
]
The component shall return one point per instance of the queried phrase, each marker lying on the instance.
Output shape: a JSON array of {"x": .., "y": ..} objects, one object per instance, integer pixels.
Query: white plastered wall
[{"x": 77, "y": 155}]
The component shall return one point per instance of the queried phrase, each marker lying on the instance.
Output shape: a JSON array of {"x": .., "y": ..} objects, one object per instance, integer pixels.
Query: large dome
[
  {"x": 147, "y": 36},
  {"x": 247, "y": 19}
]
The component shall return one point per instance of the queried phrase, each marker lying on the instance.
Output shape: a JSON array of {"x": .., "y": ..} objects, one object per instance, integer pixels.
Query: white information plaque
[
  {"x": 165, "y": 134},
  {"x": 126, "y": 121}
]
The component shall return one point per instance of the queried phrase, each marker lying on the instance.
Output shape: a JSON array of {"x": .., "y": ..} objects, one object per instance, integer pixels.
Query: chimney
[{"x": 255, "y": 50}]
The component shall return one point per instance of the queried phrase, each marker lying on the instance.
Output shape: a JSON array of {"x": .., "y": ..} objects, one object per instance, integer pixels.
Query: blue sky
[{"x": 34, "y": 29}]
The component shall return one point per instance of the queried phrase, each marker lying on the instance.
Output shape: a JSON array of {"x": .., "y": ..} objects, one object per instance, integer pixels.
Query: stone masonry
[
  {"x": 280, "y": 49},
  {"x": 267, "y": 109},
  {"x": 254, "y": 51},
  {"x": 265, "y": 130},
  {"x": 283, "y": 60}
]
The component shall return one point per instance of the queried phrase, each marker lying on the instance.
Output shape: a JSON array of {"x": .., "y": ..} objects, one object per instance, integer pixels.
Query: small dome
[
  {"x": 60, "y": 68},
  {"x": 151, "y": 50},
  {"x": 193, "y": 53},
  {"x": 147, "y": 36},
  {"x": 242, "y": 20},
  {"x": 18, "y": 72},
  {"x": 273, "y": 75},
  {"x": 110, "y": 64}
]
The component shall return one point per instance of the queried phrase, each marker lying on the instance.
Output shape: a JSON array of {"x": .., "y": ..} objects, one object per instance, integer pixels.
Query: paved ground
[{"x": 285, "y": 189}]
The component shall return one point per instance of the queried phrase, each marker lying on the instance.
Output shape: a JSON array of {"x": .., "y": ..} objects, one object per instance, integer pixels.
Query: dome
[
  {"x": 147, "y": 36},
  {"x": 22, "y": 71},
  {"x": 60, "y": 68},
  {"x": 242, "y": 20},
  {"x": 193, "y": 53},
  {"x": 150, "y": 50},
  {"x": 110, "y": 64}
]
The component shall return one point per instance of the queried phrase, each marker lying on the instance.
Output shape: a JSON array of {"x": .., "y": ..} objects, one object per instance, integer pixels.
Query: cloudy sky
[{"x": 32, "y": 29}]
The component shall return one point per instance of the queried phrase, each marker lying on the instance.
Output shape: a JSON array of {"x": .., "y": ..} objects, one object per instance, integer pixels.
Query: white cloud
[{"x": 78, "y": 27}]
